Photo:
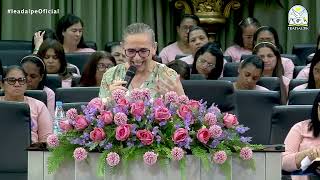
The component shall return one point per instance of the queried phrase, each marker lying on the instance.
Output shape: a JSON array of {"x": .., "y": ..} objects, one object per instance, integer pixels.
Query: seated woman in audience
[
  {"x": 269, "y": 34},
  {"x": 15, "y": 85},
  {"x": 314, "y": 74},
  {"x": 181, "y": 46},
  {"x": 41, "y": 35},
  {"x": 197, "y": 37},
  {"x": 99, "y": 63},
  {"x": 243, "y": 40},
  {"x": 52, "y": 53},
  {"x": 36, "y": 76},
  {"x": 208, "y": 61},
  {"x": 70, "y": 34},
  {"x": 271, "y": 58},
  {"x": 181, "y": 67},
  {"x": 116, "y": 51},
  {"x": 250, "y": 71},
  {"x": 302, "y": 142}
]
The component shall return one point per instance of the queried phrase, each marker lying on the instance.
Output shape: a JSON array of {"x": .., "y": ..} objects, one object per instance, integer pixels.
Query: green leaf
[
  {"x": 226, "y": 169},
  {"x": 59, "y": 154},
  {"x": 182, "y": 165},
  {"x": 202, "y": 154},
  {"x": 101, "y": 171}
]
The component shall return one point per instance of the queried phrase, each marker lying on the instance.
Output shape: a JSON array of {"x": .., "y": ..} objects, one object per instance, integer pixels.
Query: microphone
[{"x": 129, "y": 75}]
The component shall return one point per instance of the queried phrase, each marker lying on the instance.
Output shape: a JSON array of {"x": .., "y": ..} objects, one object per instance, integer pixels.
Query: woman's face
[
  {"x": 205, "y": 63},
  {"x": 268, "y": 57},
  {"x": 15, "y": 84},
  {"x": 247, "y": 36},
  {"x": 33, "y": 75},
  {"x": 119, "y": 56},
  {"x": 197, "y": 39},
  {"x": 248, "y": 77},
  {"x": 184, "y": 28},
  {"x": 73, "y": 34},
  {"x": 316, "y": 72},
  {"x": 265, "y": 36},
  {"x": 52, "y": 62},
  {"x": 102, "y": 66}
]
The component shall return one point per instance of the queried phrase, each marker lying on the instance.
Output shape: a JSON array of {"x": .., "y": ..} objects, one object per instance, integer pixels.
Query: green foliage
[
  {"x": 226, "y": 169},
  {"x": 58, "y": 155},
  {"x": 202, "y": 154},
  {"x": 101, "y": 170},
  {"x": 182, "y": 165}
]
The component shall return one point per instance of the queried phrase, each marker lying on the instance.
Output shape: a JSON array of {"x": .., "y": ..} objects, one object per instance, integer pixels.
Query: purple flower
[
  {"x": 214, "y": 109},
  {"x": 241, "y": 129},
  {"x": 130, "y": 144},
  {"x": 155, "y": 130},
  {"x": 100, "y": 124},
  {"x": 245, "y": 139},
  {"x": 186, "y": 143},
  {"x": 214, "y": 143},
  {"x": 162, "y": 123},
  {"x": 158, "y": 139},
  {"x": 108, "y": 146},
  {"x": 137, "y": 118},
  {"x": 176, "y": 126},
  {"x": 86, "y": 136}
]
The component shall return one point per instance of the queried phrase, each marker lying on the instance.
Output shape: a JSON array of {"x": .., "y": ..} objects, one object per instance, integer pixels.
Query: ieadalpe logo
[{"x": 298, "y": 18}]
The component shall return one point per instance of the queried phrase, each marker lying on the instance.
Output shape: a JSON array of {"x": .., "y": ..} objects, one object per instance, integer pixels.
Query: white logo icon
[{"x": 298, "y": 16}]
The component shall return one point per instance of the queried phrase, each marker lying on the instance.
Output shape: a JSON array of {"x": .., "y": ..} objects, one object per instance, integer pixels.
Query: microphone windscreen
[{"x": 129, "y": 75}]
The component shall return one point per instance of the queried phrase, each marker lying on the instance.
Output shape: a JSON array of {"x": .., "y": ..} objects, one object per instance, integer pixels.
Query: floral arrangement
[{"x": 135, "y": 126}]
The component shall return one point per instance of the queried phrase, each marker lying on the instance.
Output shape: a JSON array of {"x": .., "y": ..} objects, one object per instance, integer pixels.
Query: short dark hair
[
  {"x": 186, "y": 16},
  {"x": 194, "y": 28},
  {"x": 64, "y": 23},
  {"x": 254, "y": 60},
  {"x": 243, "y": 24},
  {"x": 273, "y": 31},
  {"x": 214, "y": 50},
  {"x": 181, "y": 67},
  {"x": 315, "y": 60},
  {"x": 49, "y": 33},
  {"x": 109, "y": 45},
  {"x": 9, "y": 69},
  {"x": 314, "y": 124}
]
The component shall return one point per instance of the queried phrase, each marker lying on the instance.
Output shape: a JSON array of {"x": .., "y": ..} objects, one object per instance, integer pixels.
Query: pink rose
[
  {"x": 106, "y": 117},
  {"x": 97, "y": 134},
  {"x": 183, "y": 111},
  {"x": 137, "y": 109},
  {"x": 65, "y": 125},
  {"x": 123, "y": 132},
  {"x": 180, "y": 135},
  {"x": 145, "y": 136},
  {"x": 80, "y": 122},
  {"x": 230, "y": 120},
  {"x": 97, "y": 103},
  {"x": 158, "y": 102},
  {"x": 193, "y": 104},
  {"x": 162, "y": 114},
  {"x": 204, "y": 135},
  {"x": 123, "y": 102}
]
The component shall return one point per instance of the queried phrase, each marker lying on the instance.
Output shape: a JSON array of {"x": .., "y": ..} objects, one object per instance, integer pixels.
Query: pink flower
[
  {"x": 146, "y": 93},
  {"x": 65, "y": 125},
  {"x": 220, "y": 157},
  {"x": 80, "y": 154},
  {"x": 158, "y": 102},
  {"x": 145, "y": 136},
  {"x": 246, "y": 153},
  {"x": 193, "y": 104},
  {"x": 123, "y": 132},
  {"x": 170, "y": 97},
  {"x": 53, "y": 141},
  {"x": 180, "y": 135},
  {"x": 123, "y": 102},
  {"x": 97, "y": 103},
  {"x": 80, "y": 122},
  {"x": 162, "y": 114},
  {"x": 118, "y": 94},
  {"x": 215, "y": 131},
  {"x": 183, "y": 99},
  {"x": 230, "y": 120},
  {"x": 137, "y": 95},
  {"x": 113, "y": 159},
  {"x": 106, "y": 117},
  {"x": 203, "y": 135},
  {"x": 120, "y": 118},
  {"x": 150, "y": 158},
  {"x": 137, "y": 109},
  {"x": 71, "y": 114},
  {"x": 97, "y": 134},
  {"x": 184, "y": 111},
  {"x": 210, "y": 119},
  {"x": 177, "y": 153}
]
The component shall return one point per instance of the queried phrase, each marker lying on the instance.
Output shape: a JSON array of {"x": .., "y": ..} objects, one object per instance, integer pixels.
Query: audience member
[
  {"x": 70, "y": 34},
  {"x": 181, "y": 46},
  {"x": 99, "y": 62},
  {"x": 181, "y": 67},
  {"x": 36, "y": 74},
  {"x": 116, "y": 51},
  {"x": 14, "y": 85},
  {"x": 243, "y": 40},
  {"x": 1, "y": 74},
  {"x": 41, "y": 35},
  {"x": 208, "y": 61}
]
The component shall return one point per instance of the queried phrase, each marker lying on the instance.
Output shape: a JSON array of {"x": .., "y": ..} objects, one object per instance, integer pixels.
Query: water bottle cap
[{"x": 59, "y": 103}]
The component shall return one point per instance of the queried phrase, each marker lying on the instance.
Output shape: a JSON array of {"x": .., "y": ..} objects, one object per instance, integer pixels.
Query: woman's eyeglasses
[
  {"x": 12, "y": 80},
  {"x": 204, "y": 62},
  {"x": 143, "y": 52},
  {"x": 103, "y": 67}
]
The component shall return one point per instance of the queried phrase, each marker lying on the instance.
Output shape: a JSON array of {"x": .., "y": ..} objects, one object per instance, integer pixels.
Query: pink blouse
[
  {"x": 50, "y": 99},
  {"x": 298, "y": 139},
  {"x": 169, "y": 53},
  {"x": 288, "y": 67},
  {"x": 236, "y": 52},
  {"x": 301, "y": 87},
  {"x": 261, "y": 88},
  {"x": 304, "y": 73},
  {"x": 188, "y": 59},
  {"x": 84, "y": 50}
]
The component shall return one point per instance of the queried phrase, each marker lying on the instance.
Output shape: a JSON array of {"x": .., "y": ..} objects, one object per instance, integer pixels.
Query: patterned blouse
[{"x": 118, "y": 72}]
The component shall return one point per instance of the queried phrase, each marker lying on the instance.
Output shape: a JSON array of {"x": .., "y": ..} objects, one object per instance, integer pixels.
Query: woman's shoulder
[
  {"x": 34, "y": 103},
  {"x": 301, "y": 87},
  {"x": 261, "y": 88},
  {"x": 302, "y": 125},
  {"x": 84, "y": 50},
  {"x": 48, "y": 90}
]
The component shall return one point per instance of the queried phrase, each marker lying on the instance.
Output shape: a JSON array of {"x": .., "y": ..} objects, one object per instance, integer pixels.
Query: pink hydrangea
[
  {"x": 220, "y": 157},
  {"x": 215, "y": 131},
  {"x": 53, "y": 141},
  {"x": 137, "y": 95},
  {"x": 246, "y": 153},
  {"x": 150, "y": 158},
  {"x": 71, "y": 114},
  {"x": 113, "y": 159},
  {"x": 177, "y": 153},
  {"x": 120, "y": 118},
  {"x": 80, "y": 154},
  {"x": 170, "y": 97},
  {"x": 183, "y": 99},
  {"x": 146, "y": 93},
  {"x": 118, "y": 94},
  {"x": 97, "y": 103},
  {"x": 210, "y": 119}
]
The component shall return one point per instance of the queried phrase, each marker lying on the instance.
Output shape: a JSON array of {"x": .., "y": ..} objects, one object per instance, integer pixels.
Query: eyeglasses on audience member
[
  {"x": 103, "y": 67},
  {"x": 143, "y": 52},
  {"x": 12, "y": 80},
  {"x": 204, "y": 62}
]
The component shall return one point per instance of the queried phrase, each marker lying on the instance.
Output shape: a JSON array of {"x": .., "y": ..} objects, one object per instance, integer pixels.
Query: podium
[{"x": 267, "y": 164}]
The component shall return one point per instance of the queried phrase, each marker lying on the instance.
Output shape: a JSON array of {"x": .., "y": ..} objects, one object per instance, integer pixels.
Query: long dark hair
[
  {"x": 315, "y": 60},
  {"x": 314, "y": 124},
  {"x": 249, "y": 21},
  {"x": 181, "y": 67},
  {"x": 214, "y": 50},
  {"x": 273, "y": 31}
]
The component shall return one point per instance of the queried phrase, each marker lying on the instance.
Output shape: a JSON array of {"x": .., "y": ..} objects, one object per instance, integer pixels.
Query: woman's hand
[
  {"x": 168, "y": 84},
  {"x": 38, "y": 39},
  {"x": 117, "y": 84},
  {"x": 313, "y": 153}
]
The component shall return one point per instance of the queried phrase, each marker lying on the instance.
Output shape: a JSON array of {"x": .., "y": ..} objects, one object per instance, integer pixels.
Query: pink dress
[
  {"x": 188, "y": 59},
  {"x": 298, "y": 139},
  {"x": 50, "y": 99},
  {"x": 304, "y": 73},
  {"x": 301, "y": 87},
  {"x": 288, "y": 67},
  {"x": 84, "y": 50},
  {"x": 169, "y": 53},
  {"x": 235, "y": 51},
  {"x": 261, "y": 88}
]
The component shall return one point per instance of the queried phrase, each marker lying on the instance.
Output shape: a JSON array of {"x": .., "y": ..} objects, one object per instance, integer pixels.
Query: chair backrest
[
  {"x": 76, "y": 94},
  {"x": 231, "y": 69},
  {"x": 78, "y": 59},
  {"x": 296, "y": 70},
  {"x": 197, "y": 77},
  {"x": 213, "y": 91},
  {"x": 227, "y": 58},
  {"x": 305, "y": 97},
  {"x": 15, "y": 45},
  {"x": 76, "y": 105},
  {"x": 284, "y": 117},
  {"x": 294, "y": 58},
  {"x": 13, "y": 57},
  {"x": 303, "y": 51},
  {"x": 254, "y": 109},
  {"x": 91, "y": 44},
  {"x": 245, "y": 56},
  {"x": 53, "y": 81},
  {"x": 36, "y": 94},
  {"x": 15, "y": 130},
  {"x": 271, "y": 83},
  {"x": 296, "y": 82}
]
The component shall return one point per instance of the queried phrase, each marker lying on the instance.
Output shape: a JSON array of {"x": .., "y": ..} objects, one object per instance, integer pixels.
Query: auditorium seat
[
  {"x": 91, "y": 44},
  {"x": 76, "y": 105},
  {"x": 13, "y": 57},
  {"x": 284, "y": 117},
  {"x": 36, "y": 94},
  {"x": 231, "y": 69},
  {"x": 271, "y": 83},
  {"x": 254, "y": 109},
  {"x": 303, "y": 51},
  {"x": 305, "y": 97},
  {"x": 296, "y": 70},
  {"x": 296, "y": 82},
  {"x": 53, "y": 81},
  {"x": 245, "y": 56},
  {"x": 78, "y": 59},
  {"x": 76, "y": 94},
  {"x": 228, "y": 58},
  {"x": 213, "y": 91},
  {"x": 293, "y": 57},
  {"x": 15, "y": 131},
  {"x": 15, "y": 45},
  {"x": 197, "y": 77}
]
